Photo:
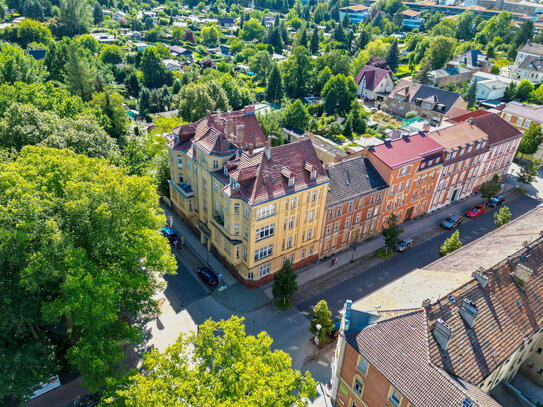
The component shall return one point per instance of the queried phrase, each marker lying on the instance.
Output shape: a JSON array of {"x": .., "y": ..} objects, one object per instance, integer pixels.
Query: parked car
[
  {"x": 495, "y": 201},
  {"x": 89, "y": 400},
  {"x": 451, "y": 222},
  {"x": 170, "y": 234},
  {"x": 208, "y": 276},
  {"x": 475, "y": 211},
  {"x": 403, "y": 245}
]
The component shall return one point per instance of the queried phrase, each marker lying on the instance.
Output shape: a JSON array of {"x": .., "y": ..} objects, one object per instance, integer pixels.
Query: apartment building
[
  {"x": 253, "y": 205},
  {"x": 426, "y": 101},
  {"x": 353, "y": 207},
  {"x": 410, "y": 166},
  {"x": 503, "y": 141},
  {"x": 521, "y": 115},
  {"x": 465, "y": 146},
  {"x": 453, "y": 334}
]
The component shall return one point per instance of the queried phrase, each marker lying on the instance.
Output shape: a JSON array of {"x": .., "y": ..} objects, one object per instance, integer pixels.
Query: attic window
[
  {"x": 291, "y": 181},
  {"x": 313, "y": 174}
]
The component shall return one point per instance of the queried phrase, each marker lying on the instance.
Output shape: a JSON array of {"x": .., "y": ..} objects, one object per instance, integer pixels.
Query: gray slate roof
[
  {"x": 352, "y": 178},
  {"x": 442, "y": 96},
  {"x": 534, "y": 64}
]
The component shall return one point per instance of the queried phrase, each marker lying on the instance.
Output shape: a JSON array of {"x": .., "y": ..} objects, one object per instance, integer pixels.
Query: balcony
[
  {"x": 217, "y": 217},
  {"x": 184, "y": 189}
]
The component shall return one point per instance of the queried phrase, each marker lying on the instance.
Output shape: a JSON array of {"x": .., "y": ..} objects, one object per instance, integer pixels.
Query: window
[
  {"x": 462, "y": 151},
  {"x": 302, "y": 256},
  {"x": 314, "y": 196},
  {"x": 247, "y": 212},
  {"x": 244, "y": 253},
  {"x": 448, "y": 157},
  {"x": 400, "y": 186},
  {"x": 372, "y": 199},
  {"x": 311, "y": 251},
  {"x": 338, "y": 211},
  {"x": 263, "y": 252},
  {"x": 293, "y": 203},
  {"x": 311, "y": 215},
  {"x": 250, "y": 275},
  {"x": 216, "y": 186},
  {"x": 246, "y": 233},
  {"x": 357, "y": 218},
  {"x": 264, "y": 270},
  {"x": 470, "y": 147},
  {"x": 264, "y": 232},
  {"x": 328, "y": 229},
  {"x": 330, "y": 214},
  {"x": 309, "y": 233},
  {"x": 265, "y": 211},
  {"x": 236, "y": 229},
  {"x": 392, "y": 188},
  {"x": 195, "y": 168},
  {"x": 453, "y": 154},
  {"x": 347, "y": 222},
  {"x": 395, "y": 397},
  {"x": 363, "y": 365},
  {"x": 215, "y": 165},
  {"x": 291, "y": 223},
  {"x": 188, "y": 164},
  {"x": 336, "y": 227},
  {"x": 358, "y": 387},
  {"x": 205, "y": 185},
  {"x": 289, "y": 243},
  {"x": 237, "y": 252},
  {"x": 291, "y": 181},
  {"x": 179, "y": 162},
  {"x": 236, "y": 209},
  {"x": 292, "y": 258},
  {"x": 369, "y": 213},
  {"x": 350, "y": 207}
]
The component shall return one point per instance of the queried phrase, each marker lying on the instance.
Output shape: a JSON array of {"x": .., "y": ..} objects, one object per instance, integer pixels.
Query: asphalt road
[
  {"x": 370, "y": 280},
  {"x": 184, "y": 287}
]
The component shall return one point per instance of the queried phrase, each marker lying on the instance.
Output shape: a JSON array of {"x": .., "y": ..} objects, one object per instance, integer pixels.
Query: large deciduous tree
[
  {"x": 217, "y": 366},
  {"x": 297, "y": 72},
  {"x": 492, "y": 187},
  {"x": 531, "y": 140},
  {"x": 16, "y": 66},
  {"x": 338, "y": 93},
  {"x": 296, "y": 115},
  {"x": 391, "y": 232},
  {"x": 502, "y": 217},
  {"x": 440, "y": 51},
  {"x": 80, "y": 256},
  {"x": 284, "y": 285}
]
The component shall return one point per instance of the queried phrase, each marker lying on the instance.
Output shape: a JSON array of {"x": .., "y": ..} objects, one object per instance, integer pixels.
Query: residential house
[
  {"x": 253, "y": 205},
  {"x": 490, "y": 87},
  {"x": 528, "y": 50},
  {"x": 353, "y": 206},
  {"x": 521, "y": 115},
  {"x": 465, "y": 146},
  {"x": 473, "y": 59},
  {"x": 452, "y": 74},
  {"x": 118, "y": 15},
  {"x": 225, "y": 49},
  {"x": 103, "y": 38},
  {"x": 172, "y": 64},
  {"x": 357, "y": 13},
  {"x": 530, "y": 68},
  {"x": 226, "y": 21},
  {"x": 503, "y": 141},
  {"x": 373, "y": 83},
  {"x": 454, "y": 333},
  {"x": 178, "y": 51},
  {"x": 412, "y": 20},
  {"x": 410, "y": 166},
  {"x": 426, "y": 101},
  {"x": 140, "y": 46}
]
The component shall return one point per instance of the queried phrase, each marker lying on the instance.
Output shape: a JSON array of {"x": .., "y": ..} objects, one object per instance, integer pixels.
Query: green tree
[
  {"x": 80, "y": 76},
  {"x": 471, "y": 97},
  {"x": 464, "y": 26},
  {"x": 29, "y": 31},
  {"x": 422, "y": 75},
  {"x": 260, "y": 64},
  {"x": 74, "y": 18},
  {"x": 144, "y": 104},
  {"x": 393, "y": 56},
  {"x": 297, "y": 72},
  {"x": 528, "y": 173},
  {"x": 502, "y": 217},
  {"x": 440, "y": 51},
  {"x": 252, "y": 30},
  {"x": 284, "y": 285},
  {"x": 525, "y": 87},
  {"x": 274, "y": 85},
  {"x": 314, "y": 43},
  {"x": 491, "y": 188},
  {"x": 339, "y": 35},
  {"x": 510, "y": 91},
  {"x": 337, "y": 94},
  {"x": 222, "y": 362},
  {"x": 16, "y": 66},
  {"x": 531, "y": 140},
  {"x": 210, "y": 34},
  {"x": 132, "y": 84},
  {"x": 348, "y": 128},
  {"x": 97, "y": 14},
  {"x": 450, "y": 244},
  {"x": 525, "y": 33},
  {"x": 111, "y": 54},
  {"x": 111, "y": 106},
  {"x": 391, "y": 232},
  {"x": 154, "y": 72},
  {"x": 321, "y": 315},
  {"x": 90, "y": 272},
  {"x": 296, "y": 115}
]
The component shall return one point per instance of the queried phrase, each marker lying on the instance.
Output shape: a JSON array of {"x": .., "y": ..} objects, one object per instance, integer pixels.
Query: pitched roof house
[
  {"x": 530, "y": 68},
  {"x": 473, "y": 59},
  {"x": 373, "y": 83}
]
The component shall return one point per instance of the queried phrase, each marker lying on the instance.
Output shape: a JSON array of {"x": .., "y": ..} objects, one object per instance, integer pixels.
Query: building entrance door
[
  {"x": 454, "y": 195},
  {"x": 409, "y": 213}
]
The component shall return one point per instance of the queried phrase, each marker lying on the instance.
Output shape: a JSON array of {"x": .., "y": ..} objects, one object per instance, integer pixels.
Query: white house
[
  {"x": 373, "y": 82},
  {"x": 118, "y": 15}
]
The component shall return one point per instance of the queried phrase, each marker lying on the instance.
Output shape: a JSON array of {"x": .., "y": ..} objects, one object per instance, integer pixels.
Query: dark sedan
[{"x": 208, "y": 276}]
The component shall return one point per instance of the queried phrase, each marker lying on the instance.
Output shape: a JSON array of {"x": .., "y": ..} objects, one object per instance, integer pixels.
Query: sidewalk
[
  {"x": 192, "y": 242},
  {"x": 420, "y": 229}
]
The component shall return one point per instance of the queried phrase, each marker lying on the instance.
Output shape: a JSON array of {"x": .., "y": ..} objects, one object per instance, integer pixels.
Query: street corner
[{"x": 241, "y": 299}]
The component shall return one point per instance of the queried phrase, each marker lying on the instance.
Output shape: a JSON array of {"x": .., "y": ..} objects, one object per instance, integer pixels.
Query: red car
[{"x": 475, "y": 211}]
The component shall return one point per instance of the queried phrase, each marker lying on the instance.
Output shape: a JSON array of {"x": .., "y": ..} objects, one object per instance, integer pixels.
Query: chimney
[
  {"x": 480, "y": 277},
  {"x": 470, "y": 120},
  {"x": 468, "y": 312},
  {"x": 426, "y": 303},
  {"x": 249, "y": 110},
  {"x": 442, "y": 333},
  {"x": 250, "y": 149},
  {"x": 426, "y": 127},
  {"x": 229, "y": 125},
  {"x": 522, "y": 275},
  {"x": 209, "y": 118},
  {"x": 267, "y": 148},
  {"x": 240, "y": 132}
]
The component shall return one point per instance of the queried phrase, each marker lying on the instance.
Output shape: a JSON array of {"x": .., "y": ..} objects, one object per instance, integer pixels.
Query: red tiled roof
[
  {"x": 406, "y": 150},
  {"x": 455, "y": 111},
  {"x": 262, "y": 179},
  {"x": 498, "y": 130},
  {"x": 458, "y": 135},
  {"x": 373, "y": 76}
]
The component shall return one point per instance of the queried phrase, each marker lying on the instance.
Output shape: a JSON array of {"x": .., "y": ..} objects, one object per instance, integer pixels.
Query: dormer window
[
  {"x": 234, "y": 184},
  {"x": 291, "y": 181},
  {"x": 225, "y": 170},
  {"x": 313, "y": 174}
]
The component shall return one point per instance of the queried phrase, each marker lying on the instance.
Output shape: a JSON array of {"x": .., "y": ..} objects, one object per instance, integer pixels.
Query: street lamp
[{"x": 318, "y": 326}]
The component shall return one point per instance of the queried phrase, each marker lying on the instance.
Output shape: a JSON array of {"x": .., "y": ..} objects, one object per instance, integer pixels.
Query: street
[{"x": 376, "y": 277}]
